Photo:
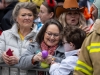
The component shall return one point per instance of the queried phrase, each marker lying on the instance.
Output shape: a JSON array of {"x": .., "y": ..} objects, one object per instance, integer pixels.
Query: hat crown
[{"x": 70, "y": 4}]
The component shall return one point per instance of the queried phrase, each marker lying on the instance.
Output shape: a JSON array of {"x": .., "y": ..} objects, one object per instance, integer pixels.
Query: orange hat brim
[{"x": 59, "y": 10}]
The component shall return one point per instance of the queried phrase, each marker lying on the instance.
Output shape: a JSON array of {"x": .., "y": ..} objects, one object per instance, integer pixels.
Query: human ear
[
  {"x": 72, "y": 45},
  {"x": 51, "y": 14}
]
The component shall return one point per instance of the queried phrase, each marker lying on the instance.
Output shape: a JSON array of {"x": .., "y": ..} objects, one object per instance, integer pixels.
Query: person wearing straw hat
[{"x": 71, "y": 14}]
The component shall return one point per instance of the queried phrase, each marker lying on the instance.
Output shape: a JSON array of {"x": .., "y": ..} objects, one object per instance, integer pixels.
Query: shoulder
[
  {"x": 71, "y": 59},
  {"x": 6, "y": 33},
  {"x": 60, "y": 48},
  {"x": 34, "y": 44}
]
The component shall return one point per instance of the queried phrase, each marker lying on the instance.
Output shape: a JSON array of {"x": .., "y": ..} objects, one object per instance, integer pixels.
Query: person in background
[
  {"x": 95, "y": 14},
  {"x": 17, "y": 38},
  {"x": 6, "y": 21},
  {"x": 37, "y": 2},
  {"x": 71, "y": 15},
  {"x": 1, "y": 14},
  {"x": 73, "y": 38},
  {"x": 46, "y": 11},
  {"x": 2, "y": 4},
  {"x": 48, "y": 38},
  {"x": 59, "y": 2},
  {"x": 96, "y": 11}
]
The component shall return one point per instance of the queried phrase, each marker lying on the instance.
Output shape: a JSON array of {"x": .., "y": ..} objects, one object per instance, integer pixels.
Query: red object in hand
[{"x": 9, "y": 52}]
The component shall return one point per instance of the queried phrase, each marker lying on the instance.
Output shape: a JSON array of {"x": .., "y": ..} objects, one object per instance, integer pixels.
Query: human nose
[
  {"x": 73, "y": 15},
  {"x": 52, "y": 36},
  {"x": 27, "y": 17}
]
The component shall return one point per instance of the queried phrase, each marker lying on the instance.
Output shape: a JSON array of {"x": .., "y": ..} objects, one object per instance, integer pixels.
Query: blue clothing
[
  {"x": 39, "y": 24},
  {"x": 66, "y": 66}
]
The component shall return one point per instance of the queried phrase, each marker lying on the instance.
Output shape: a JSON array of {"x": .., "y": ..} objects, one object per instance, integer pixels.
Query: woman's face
[
  {"x": 52, "y": 35},
  {"x": 44, "y": 14},
  {"x": 72, "y": 17},
  {"x": 25, "y": 18}
]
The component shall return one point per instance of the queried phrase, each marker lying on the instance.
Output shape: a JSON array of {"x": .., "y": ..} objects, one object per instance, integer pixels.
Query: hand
[
  {"x": 5, "y": 58},
  {"x": 85, "y": 28},
  {"x": 78, "y": 53},
  {"x": 13, "y": 60},
  {"x": 38, "y": 57},
  {"x": 10, "y": 60},
  {"x": 48, "y": 60}
]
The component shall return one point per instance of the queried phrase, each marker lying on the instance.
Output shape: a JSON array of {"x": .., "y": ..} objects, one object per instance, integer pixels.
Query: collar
[
  {"x": 70, "y": 53},
  {"x": 14, "y": 31}
]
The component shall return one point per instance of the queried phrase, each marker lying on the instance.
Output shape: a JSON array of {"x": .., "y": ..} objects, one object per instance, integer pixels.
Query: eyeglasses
[{"x": 54, "y": 34}]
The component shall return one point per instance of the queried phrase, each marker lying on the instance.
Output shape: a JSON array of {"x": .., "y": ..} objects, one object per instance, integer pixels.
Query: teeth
[{"x": 51, "y": 41}]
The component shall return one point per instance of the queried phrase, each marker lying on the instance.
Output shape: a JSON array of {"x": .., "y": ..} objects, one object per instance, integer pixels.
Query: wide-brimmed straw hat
[{"x": 68, "y": 5}]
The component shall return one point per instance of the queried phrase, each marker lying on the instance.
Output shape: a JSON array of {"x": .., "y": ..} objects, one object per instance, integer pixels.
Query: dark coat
[{"x": 6, "y": 22}]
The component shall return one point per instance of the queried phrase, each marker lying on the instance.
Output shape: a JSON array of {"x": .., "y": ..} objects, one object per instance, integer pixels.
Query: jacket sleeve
[
  {"x": 25, "y": 61},
  {"x": 84, "y": 66},
  {"x": 65, "y": 67},
  {"x": 2, "y": 46}
]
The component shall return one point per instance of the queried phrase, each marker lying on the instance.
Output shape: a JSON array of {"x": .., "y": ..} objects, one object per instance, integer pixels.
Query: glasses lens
[{"x": 54, "y": 34}]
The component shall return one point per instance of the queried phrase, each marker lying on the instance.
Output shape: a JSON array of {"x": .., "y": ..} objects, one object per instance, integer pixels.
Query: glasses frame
[{"x": 54, "y": 34}]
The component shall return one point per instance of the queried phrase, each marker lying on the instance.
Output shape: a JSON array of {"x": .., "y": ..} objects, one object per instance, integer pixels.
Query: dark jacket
[{"x": 6, "y": 22}]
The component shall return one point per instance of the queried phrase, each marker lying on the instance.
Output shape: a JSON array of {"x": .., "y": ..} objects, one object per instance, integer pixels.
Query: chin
[{"x": 50, "y": 44}]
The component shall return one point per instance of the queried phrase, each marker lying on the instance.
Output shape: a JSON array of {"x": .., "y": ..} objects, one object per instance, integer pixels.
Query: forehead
[
  {"x": 42, "y": 7},
  {"x": 52, "y": 28},
  {"x": 24, "y": 10}
]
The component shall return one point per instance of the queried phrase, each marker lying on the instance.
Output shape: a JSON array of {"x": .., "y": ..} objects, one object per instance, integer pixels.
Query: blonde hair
[{"x": 62, "y": 19}]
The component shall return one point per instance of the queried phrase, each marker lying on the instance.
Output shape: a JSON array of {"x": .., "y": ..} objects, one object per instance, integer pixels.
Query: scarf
[{"x": 50, "y": 50}]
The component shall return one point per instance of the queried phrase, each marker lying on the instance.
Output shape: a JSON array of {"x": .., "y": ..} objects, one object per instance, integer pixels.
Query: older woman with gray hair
[{"x": 18, "y": 37}]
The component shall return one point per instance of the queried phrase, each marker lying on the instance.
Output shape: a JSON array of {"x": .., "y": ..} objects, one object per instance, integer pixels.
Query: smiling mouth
[{"x": 51, "y": 41}]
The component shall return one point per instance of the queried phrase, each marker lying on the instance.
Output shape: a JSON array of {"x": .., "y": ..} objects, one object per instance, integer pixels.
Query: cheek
[
  {"x": 45, "y": 37},
  {"x": 77, "y": 19},
  {"x": 43, "y": 18},
  {"x": 57, "y": 40},
  {"x": 19, "y": 19},
  {"x": 68, "y": 19},
  {"x": 77, "y": 16},
  {"x": 67, "y": 47},
  {"x": 32, "y": 18}
]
